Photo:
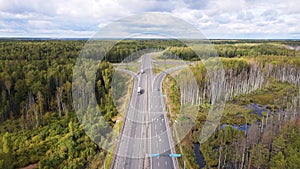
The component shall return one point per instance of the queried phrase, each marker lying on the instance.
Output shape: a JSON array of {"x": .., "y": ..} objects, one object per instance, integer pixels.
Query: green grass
[
  {"x": 165, "y": 64},
  {"x": 134, "y": 67},
  {"x": 276, "y": 96},
  {"x": 172, "y": 97},
  {"x": 237, "y": 114},
  {"x": 108, "y": 160}
]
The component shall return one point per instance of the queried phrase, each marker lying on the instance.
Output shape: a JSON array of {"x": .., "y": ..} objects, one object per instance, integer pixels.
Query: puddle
[
  {"x": 258, "y": 109},
  {"x": 199, "y": 156},
  {"x": 242, "y": 127}
]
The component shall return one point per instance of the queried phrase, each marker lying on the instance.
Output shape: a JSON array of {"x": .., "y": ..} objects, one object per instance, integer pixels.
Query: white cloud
[{"x": 218, "y": 19}]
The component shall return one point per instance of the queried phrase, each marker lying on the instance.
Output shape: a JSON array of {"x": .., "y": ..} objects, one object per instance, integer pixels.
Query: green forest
[
  {"x": 260, "y": 124},
  {"x": 38, "y": 125}
]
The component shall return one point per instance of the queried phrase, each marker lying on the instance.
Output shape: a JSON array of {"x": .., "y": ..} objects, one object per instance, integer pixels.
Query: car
[{"x": 139, "y": 90}]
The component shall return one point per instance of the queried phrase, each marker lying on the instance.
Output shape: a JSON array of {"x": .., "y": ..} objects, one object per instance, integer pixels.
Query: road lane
[{"x": 146, "y": 130}]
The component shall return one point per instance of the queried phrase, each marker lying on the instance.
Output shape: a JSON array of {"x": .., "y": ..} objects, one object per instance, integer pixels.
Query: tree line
[{"x": 202, "y": 51}]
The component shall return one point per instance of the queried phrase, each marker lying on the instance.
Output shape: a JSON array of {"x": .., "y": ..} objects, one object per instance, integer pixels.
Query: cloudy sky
[{"x": 263, "y": 19}]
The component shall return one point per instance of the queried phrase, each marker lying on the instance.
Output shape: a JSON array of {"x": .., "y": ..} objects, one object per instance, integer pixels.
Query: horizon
[{"x": 143, "y": 38}]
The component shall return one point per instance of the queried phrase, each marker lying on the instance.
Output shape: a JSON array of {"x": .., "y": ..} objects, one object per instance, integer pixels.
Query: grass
[
  {"x": 164, "y": 64},
  {"x": 157, "y": 55},
  {"x": 276, "y": 96},
  {"x": 156, "y": 71},
  {"x": 237, "y": 114},
  {"x": 172, "y": 97},
  {"x": 132, "y": 66},
  {"x": 108, "y": 160}
]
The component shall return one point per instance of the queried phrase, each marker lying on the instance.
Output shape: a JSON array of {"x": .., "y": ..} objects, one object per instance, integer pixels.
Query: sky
[{"x": 216, "y": 19}]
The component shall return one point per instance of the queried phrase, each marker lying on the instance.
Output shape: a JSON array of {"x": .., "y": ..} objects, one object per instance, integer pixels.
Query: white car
[{"x": 139, "y": 90}]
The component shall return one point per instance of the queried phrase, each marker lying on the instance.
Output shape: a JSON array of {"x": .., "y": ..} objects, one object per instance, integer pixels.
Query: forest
[
  {"x": 38, "y": 125},
  {"x": 260, "y": 124}
]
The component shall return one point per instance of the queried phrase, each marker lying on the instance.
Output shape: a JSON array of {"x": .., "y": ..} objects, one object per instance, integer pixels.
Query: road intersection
[{"x": 146, "y": 131}]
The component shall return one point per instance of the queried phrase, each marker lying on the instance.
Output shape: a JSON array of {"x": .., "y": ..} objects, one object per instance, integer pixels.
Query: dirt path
[{"x": 31, "y": 166}]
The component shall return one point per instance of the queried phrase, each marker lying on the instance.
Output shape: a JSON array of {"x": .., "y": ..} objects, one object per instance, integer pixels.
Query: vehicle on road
[
  {"x": 139, "y": 90},
  {"x": 142, "y": 71}
]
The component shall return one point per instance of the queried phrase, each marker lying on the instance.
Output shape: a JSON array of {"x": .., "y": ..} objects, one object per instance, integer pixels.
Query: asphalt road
[{"x": 146, "y": 130}]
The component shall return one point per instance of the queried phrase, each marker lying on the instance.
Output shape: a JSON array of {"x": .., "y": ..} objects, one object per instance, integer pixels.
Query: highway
[{"x": 146, "y": 131}]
